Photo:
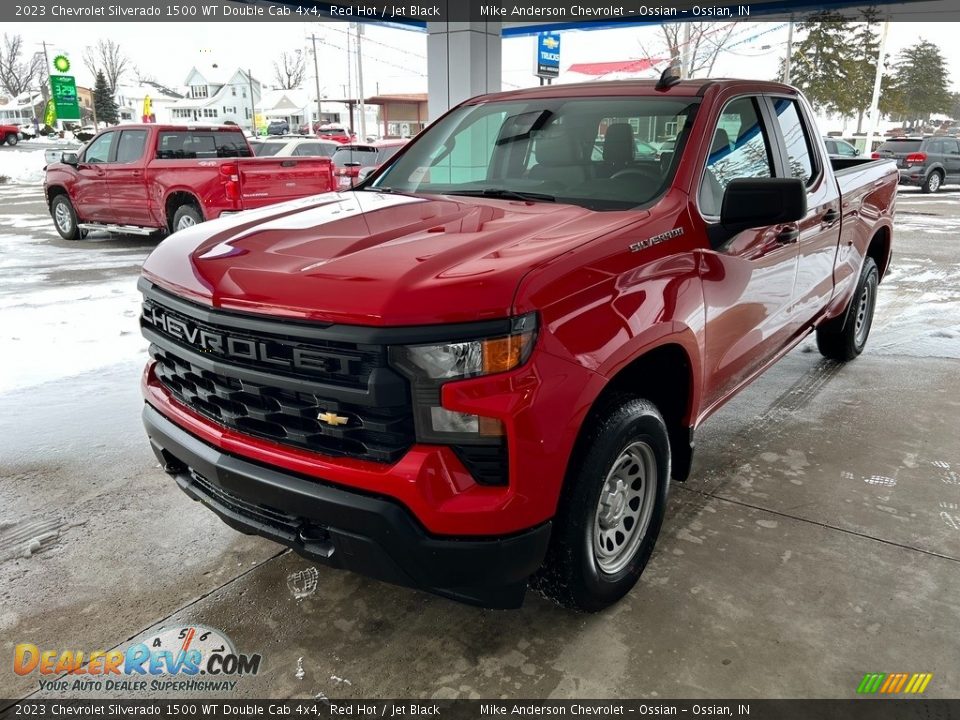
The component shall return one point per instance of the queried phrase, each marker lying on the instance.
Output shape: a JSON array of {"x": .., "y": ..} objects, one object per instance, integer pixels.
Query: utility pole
[
  {"x": 253, "y": 103},
  {"x": 789, "y": 58},
  {"x": 363, "y": 108},
  {"x": 349, "y": 79},
  {"x": 685, "y": 52},
  {"x": 316, "y": 71},
  {"x": 877, "y": 80}
]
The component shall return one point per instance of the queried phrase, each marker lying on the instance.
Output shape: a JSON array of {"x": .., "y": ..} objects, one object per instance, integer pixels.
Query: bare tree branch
[
  {"x": 707, "y": 41},
  {"x": 107, "y": 57},
  {"x": 18, "y": 73},
  {"x": 290, "y": 71}
]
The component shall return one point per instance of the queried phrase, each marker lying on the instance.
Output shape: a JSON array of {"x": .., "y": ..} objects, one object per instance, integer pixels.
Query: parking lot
[{"x": 817, "y": 539}]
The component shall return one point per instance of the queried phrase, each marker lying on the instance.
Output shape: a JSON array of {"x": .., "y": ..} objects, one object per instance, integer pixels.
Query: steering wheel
[{"x": 647, "y": 174}]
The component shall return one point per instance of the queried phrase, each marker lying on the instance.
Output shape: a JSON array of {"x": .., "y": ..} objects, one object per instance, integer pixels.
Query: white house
[
  {"x": 215, "y": 96},
  {"x": 129, "y": 99}
]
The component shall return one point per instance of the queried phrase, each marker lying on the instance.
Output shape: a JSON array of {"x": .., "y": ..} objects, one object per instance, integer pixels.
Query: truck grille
[{"x": 334, "y": 398}]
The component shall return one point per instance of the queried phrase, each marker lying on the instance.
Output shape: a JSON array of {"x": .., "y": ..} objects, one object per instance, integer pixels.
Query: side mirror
[
  {"x": 364, "y": 173},
  {"x": 759, "y": 202},
  {"x": 70, "y": 158},
  {"x": 856, "y": 151}
]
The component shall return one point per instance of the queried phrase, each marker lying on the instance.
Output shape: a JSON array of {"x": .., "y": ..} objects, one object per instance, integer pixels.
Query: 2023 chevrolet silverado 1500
[
  {"x": 145, "y": 179},
  {"x": 485, "y": 363}
]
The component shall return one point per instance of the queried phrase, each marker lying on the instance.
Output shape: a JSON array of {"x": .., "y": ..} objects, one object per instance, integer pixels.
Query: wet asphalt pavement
[{"x": 818, "y": 538}]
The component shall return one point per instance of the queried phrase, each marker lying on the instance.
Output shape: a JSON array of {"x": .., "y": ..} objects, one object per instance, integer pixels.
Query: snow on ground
[
  {"x": 67, "y": 330},
  {"x": 22, "y": 166}
]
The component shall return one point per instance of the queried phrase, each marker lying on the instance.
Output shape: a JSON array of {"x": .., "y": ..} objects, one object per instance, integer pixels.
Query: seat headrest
[
  {"x": 555, "y": 147},
  {"x": 618, "y": 144},
  {"x": 721, "y": 141}
]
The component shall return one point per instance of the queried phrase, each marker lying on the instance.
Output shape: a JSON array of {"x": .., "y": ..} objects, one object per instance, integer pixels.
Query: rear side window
[
  {"x": 362, "y": 156},
  {"x": 313, "y": 150},
  {"x": 740, "y": 149},
  {"x": 192, "y": 144},
  {"x": 900, "y": 146},
  {"x": 795, "y": 137},
  {"x": 130, "y": 147},
  {"x": 267, "y": 149},
  {"x": 387, "y": 153}
]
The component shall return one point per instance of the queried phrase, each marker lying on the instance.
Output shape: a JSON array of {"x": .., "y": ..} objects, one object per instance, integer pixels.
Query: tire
[
  {"x": 186, "y": 216},
  {"x": 64, "y": 217},
  {"x": 844, "y": 337},
  {"x": 12, "y": 139},
  {"x": 933, "y": 182},
  {"x": 588, "y": 567}
]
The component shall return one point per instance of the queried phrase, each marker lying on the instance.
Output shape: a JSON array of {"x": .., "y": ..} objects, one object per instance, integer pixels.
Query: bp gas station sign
[{"x": 63, "y": 90}]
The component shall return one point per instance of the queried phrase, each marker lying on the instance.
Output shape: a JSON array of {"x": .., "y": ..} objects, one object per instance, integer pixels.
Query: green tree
[
  {"x": 103, "y": 102},
  {"x": 865, "y": 47},
  {"x": 821, "y": 62},
  {"x": 919, "y": 85}
]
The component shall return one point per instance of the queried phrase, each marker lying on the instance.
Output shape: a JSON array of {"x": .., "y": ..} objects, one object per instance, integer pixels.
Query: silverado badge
[{"x": 656, "y": 239}]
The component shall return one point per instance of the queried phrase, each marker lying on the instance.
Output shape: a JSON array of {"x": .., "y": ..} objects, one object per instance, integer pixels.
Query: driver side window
[
  {"x": 740, "y": 149},
  {"x": 99, "y": 149}
]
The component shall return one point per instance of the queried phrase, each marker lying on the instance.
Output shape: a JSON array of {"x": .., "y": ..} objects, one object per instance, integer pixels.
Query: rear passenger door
[
  {"x": 747, "y": 280},
  {"x": 951, "y": 159},
  {"x": 819, "y": 230},
  {"x": 128, "y": 186}
]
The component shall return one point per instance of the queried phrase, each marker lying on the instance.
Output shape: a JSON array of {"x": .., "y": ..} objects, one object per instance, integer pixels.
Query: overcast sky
[{"x": 395, "y": 60}]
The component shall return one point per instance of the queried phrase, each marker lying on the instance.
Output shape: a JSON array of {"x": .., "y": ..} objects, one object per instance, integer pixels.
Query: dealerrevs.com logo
[{"x": 179, "y": 659}]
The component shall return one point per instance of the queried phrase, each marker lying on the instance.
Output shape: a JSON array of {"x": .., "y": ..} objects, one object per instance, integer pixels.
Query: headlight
[{"x": 429, "y": 366}]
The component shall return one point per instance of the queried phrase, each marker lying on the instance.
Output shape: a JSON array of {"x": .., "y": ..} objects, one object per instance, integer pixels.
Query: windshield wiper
[{"x": 505, "y": 194}]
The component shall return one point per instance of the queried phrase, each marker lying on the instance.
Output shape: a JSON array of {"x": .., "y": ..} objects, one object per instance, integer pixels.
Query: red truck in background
[
  {"x": 145, "y": 179},
  {"x": 484, "y": 364},
  {"x": 10, "y": 134}
]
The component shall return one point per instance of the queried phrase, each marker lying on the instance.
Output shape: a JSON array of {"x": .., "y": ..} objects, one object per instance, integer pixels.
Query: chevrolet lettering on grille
[{"x": 276, "y": 353}]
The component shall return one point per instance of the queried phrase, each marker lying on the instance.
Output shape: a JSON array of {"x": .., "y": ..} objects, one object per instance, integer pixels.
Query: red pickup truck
[
  {"x": 9, "y": 134},
  {"x": 145, "y": 179},
  {"x": 485, "y": 363}
]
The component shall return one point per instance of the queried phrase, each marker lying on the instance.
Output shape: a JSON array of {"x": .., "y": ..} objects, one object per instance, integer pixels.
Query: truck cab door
[
  {"x": 819, "y": 238},
  {"x": 128, "y": 185},
  {"x": 91, "y": 191},
  {"x": 748, "y": 279}
]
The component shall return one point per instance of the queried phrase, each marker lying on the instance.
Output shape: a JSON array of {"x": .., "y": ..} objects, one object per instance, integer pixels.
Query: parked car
[
  {"x": 355, "y": 161},
  {"x": 486, "y": 362},
  {"x": 837, "y": 148},
  {"x": 293, "y": 146},
  {"x": 28, "y": 131},
  {"x": 929, "y": 163},
  {"x": 10, "y": 134},
  {"x": 146, "y": 179},
  {"x": 278, "y": 127},
  {"x": 334, "y": 132}
]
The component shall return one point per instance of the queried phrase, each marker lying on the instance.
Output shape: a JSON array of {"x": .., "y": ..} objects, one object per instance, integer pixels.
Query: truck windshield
[{"x": 600, "y": 153}]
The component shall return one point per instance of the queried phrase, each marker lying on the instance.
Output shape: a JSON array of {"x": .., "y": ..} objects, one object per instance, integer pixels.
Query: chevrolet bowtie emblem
[
  {"x": 551, "y": 43},
  {"x": 331, "y": 418}
]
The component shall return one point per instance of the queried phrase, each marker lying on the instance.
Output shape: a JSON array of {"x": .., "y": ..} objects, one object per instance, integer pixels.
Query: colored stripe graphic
[{"x": 894, "y": 683}]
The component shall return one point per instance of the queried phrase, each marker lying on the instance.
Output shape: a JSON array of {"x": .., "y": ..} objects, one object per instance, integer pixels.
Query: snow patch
[{"x": 23, "y": 167}]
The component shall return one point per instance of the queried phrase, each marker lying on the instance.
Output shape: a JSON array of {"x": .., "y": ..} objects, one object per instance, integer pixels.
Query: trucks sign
[
  {"x": 548, "y": 54},
  {"x": 64, "y": 91}
]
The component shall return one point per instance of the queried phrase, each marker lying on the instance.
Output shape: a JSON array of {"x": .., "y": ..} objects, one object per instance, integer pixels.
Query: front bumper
[{"x": 343, "y": 529}]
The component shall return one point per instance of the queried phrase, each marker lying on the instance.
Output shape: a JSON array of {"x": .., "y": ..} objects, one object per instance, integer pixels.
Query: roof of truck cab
[
  {"x": 177, "y": 128},
  {"x": 646, "y": 87}
]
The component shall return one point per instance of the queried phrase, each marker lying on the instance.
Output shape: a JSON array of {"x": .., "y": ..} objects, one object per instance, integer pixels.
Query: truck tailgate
[{"x": 264, "y": 181}]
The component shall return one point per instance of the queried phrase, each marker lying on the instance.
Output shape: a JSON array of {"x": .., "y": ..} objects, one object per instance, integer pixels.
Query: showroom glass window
[{"x": 551, "y": 147}]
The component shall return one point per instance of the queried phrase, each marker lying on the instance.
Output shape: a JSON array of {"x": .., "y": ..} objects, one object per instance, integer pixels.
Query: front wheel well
[
  {"x": 175, "y": 200},
  {"x": 53, "y": 191},
  {"x": 664, "y": 376}
]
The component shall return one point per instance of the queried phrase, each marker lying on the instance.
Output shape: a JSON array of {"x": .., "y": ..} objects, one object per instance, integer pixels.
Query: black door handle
[
  {"x": 788, "y": 235},
  {"x": 831, "y": 216}
]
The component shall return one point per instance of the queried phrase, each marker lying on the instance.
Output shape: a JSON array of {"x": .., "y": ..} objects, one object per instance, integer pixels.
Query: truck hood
[{"x": 373, "y": 259}]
